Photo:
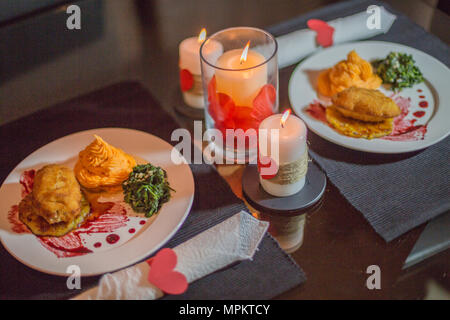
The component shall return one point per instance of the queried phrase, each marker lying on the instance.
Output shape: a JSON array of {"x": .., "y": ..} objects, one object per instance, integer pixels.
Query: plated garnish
[
  {"x": 62, "y": 199},
  {"x": 146, "y": 189},
  {"x": 399, "y": 70}
]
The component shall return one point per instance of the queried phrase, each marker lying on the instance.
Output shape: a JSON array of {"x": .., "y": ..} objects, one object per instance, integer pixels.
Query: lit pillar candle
[
  {"x": 190, "y": 70},
  {"x": 291, "y": 156},
  {"x": 241, "y": 80}
]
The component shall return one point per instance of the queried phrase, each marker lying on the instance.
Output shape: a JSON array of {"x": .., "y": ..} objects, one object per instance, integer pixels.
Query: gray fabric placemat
[
  {"x": 130, "y": 105},
  {"x": 395, "y": 193}
]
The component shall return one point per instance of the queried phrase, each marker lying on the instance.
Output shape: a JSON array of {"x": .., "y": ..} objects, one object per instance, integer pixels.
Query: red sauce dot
[
  {"x": 142, "y": 222},
  {"x": 132, "y": 230},
  {"x": 422, "y": 97},
  {"x": 112, "y": 238},
  {"x": 419, "y": 90},
  {"x": 97, "y": 244},
  {"x": 419, "y": 114},
  {"x": 423, "y": 104}
]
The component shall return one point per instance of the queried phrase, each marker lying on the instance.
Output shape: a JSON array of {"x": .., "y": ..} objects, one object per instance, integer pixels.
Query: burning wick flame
[
  {"x": 244, "y": 53},
  {"x": 202, "y": 35},
  {"x": 285, "y": 117}
]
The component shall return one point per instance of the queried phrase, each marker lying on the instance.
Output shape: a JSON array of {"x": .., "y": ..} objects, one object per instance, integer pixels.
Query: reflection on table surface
[{"x": 122, "y": 40}]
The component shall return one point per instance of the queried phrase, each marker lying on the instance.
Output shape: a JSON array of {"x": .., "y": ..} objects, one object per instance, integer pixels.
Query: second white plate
[{"x": 302, "y": 92}]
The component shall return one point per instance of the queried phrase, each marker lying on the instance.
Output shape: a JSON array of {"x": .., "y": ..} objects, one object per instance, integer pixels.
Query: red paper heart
[
  {"x": 267, "y": 167},
  {"x": 186, "y": 80},
  {"x": 163, "y": 276},
  {"x": 324, "y": 32}
]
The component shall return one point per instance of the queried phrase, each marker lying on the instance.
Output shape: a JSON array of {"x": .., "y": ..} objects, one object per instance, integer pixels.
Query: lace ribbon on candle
[{"x": 293, "y": 171}]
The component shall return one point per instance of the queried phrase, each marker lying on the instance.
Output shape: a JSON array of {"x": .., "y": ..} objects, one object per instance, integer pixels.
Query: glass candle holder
[{"x": 241, "y": 89}]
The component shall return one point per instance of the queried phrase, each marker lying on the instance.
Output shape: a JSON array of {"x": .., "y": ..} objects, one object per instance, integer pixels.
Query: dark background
[{"x": 43, "y": 63}]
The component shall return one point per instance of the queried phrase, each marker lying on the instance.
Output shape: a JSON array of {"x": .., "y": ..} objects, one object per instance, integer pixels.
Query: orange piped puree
[{"x": 100, "y": 165}]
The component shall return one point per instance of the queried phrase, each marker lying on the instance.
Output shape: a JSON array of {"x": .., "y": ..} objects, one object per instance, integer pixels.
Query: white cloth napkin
[
  {"x": 298, "y": 44},
  {"x": 234, "y": 239}
]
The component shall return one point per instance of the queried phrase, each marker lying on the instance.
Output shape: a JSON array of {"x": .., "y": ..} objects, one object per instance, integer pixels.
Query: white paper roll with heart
[{"x": 232, "y": 240}]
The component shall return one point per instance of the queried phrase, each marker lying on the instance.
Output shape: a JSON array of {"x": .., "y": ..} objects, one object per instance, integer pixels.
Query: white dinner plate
[
  {"x": 435, "y": 89},
  {"x": 138, "y": 237}
]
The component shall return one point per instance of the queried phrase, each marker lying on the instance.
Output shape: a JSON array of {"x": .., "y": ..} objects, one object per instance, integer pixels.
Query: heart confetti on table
[{"x": 162, "y": 273}]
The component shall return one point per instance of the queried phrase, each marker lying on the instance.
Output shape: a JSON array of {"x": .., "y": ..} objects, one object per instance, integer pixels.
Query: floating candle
[
  {"x": 241, "y": 74},
  {"x": 288, "y": 151}
]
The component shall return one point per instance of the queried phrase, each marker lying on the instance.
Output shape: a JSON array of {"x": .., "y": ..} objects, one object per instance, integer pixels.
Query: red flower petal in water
[
  {"x": 212, "y": 89},
  {"x": 186, "y": 80},
  {"x": 264, "y": 103},
  {"x": 221, "y": 106},
  {"x": 243, "y": 119},
  {"x": 324, "y": 32}
]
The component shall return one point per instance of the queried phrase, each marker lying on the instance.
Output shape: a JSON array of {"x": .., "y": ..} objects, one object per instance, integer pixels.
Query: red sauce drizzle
[
  {"x": 27, "y": 181},
  {"x": 419, "y": 114},
  {"x": 112, "y": 238},
  {"x": 317, "y": 111},
  {"x": 423, "y": 104},
  {"x": 71, "y": 244},
  {"x": 405, "y": 129},
  {"x": 132, "y": 230},
  {"x": 142, "y": 222},
  {"x": 419, "y": 90},
  {"x": 13, "y": 218},
  {"x": 422, "y": 97},
  {"x": 97, "y": 244}
]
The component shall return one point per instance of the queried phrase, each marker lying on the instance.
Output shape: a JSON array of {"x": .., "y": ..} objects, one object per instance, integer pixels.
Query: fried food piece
[
  {"x": 30, "y": 216},
  {"x": 365, "y": 105},
  {"x": 56, "y": 194},
  {"x": 353, "y": 72},
  {"x": 356, "y": 128}
]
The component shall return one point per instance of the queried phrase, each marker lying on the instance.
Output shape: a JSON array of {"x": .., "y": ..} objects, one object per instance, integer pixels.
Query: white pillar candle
[
  {"x": 291, "y": 153},
  {"x": 243, "y": 78},
  {"x": 189, "y": 59}
]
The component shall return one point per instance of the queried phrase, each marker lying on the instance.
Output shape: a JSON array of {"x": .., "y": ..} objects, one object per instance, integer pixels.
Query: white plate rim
[
  {"x": 352, "y": 143},
  {"x": 188, "y": 181}
]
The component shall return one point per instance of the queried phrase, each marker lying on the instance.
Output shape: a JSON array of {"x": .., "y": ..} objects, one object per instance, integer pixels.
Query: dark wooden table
[
  {"x": 139, "y": 41},
  {"x": 339, "y": 245}
]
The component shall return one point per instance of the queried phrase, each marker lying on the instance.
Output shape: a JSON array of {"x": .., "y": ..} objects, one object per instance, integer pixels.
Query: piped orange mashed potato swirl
[
  {"x": 353, "y": 72},
  {"x": 101, "y": 165}
]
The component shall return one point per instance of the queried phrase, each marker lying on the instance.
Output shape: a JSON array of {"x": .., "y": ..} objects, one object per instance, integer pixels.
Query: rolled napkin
[
  {"x": 298, "y": 44},
  {"x": 232, "y": 240}
]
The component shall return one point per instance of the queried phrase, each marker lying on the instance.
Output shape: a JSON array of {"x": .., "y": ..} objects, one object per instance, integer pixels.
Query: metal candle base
[{"x": 285, "y": 214}]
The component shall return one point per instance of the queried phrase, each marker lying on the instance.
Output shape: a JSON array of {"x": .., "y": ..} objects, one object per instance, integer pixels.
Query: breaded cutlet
[{"x": 365, "y": 104}]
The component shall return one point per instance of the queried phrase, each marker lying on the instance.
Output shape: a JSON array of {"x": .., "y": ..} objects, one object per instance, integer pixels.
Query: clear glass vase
[{"x": 241, "y": 89}]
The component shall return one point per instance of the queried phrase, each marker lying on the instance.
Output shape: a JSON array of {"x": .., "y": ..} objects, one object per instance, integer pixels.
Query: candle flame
[
  {"x": 202, "y": 35},
  {"x": 285, "y": 117},
  {"x": 245, "y": 52}
]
